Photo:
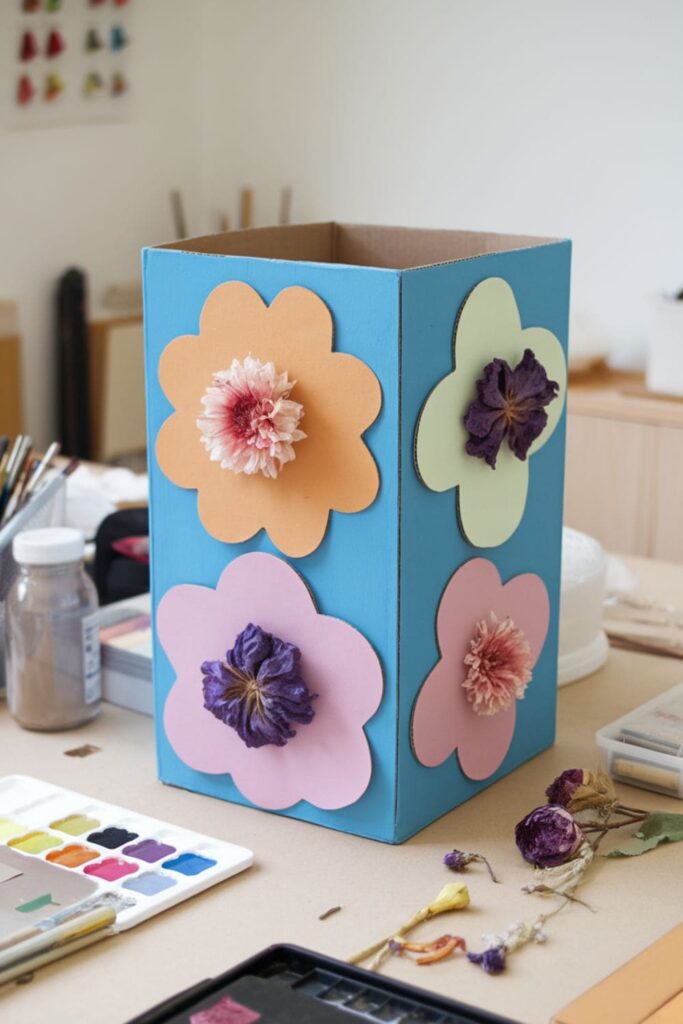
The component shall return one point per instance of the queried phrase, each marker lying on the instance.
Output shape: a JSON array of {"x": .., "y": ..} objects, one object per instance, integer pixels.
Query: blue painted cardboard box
[{"x": 356, "y": 441}]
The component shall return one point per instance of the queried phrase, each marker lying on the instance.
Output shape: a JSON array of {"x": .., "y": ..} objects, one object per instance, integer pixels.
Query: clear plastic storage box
[{"x": 645, "y": 747}]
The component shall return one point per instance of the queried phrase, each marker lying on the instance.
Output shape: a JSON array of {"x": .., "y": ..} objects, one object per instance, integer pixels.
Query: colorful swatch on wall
[{"x": 70, "y": 62}]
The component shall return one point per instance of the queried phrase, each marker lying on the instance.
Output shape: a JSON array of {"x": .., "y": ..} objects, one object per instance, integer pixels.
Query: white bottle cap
[{"x": 53, "y": 545}]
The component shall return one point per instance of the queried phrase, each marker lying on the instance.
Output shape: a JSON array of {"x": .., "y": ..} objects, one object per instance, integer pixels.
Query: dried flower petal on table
[
  {"x": 439, "y": 949},
  {"x": 493, "y": 958},
  {"x": 548, "y": 836},
  {"x": 456, "y": 860},
  {"x": 578, "y": 790},
  {"x": 563, "y": 879},
  {"x": 454, "y": 896}
]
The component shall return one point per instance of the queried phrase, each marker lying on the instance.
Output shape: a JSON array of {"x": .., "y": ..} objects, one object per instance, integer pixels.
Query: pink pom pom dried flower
[
  {"x": 249, "y": 423},
  {"x": 499, "y": 666}
]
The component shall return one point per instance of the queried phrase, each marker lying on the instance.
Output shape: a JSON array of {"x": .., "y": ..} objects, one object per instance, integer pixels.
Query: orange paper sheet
[{"x": 646, "y": 990}]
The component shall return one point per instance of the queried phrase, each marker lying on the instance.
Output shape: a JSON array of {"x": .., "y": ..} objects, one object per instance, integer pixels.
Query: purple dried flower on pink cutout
[
  {"x": 510, "y": 404},
  {"x": 491, "y": 960},
  {"x": 258, "y": 690},
  {"x": 562, "y": 789},
  {"x": 548, "y": 836}
]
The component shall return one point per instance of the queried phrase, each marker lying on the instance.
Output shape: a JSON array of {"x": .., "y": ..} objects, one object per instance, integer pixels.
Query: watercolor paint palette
[{"x": 58, "y": 846}]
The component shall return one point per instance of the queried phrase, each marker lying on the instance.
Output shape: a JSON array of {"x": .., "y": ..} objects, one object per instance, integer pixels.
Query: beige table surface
[{"x": 301, "y": 870}]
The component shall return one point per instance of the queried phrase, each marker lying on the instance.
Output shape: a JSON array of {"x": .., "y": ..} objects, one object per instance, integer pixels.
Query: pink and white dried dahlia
[
  {"x": 249, "y": 423},
  {"x": 499, "y": 666}
]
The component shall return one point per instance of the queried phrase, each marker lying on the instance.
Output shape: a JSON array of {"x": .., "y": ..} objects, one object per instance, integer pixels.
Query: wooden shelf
[
  {"x": 624, "y": 447},
  {"x": 11, "y": 412},
  {"x": 617, "y": 395}
]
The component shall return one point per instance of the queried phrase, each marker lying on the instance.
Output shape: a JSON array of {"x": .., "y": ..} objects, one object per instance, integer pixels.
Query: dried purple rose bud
[
  {"x": 509, "y": 404},
  {"x": 492, "y": 960},
  {"x": 562, "y": 789},
  {"x": 258, "y": 690},
  {"x": 456, "y": 860},
  {"x": 548, "y": 836}
]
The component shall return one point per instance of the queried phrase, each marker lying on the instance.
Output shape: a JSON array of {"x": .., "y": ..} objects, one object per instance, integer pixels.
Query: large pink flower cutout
[
  {"x": 328, "y": 762},
  {"x": 444, "y": 719}
]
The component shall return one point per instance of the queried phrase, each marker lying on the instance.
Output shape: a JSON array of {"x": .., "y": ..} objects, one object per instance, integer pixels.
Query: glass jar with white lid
[{"x": 52, "y": 633}]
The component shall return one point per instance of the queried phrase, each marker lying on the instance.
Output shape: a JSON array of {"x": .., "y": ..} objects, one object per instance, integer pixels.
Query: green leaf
[{"x": 657, "y": 828}]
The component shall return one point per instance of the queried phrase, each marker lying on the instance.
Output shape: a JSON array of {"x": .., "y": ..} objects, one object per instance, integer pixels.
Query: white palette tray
[{"x": 146, "y": 864}]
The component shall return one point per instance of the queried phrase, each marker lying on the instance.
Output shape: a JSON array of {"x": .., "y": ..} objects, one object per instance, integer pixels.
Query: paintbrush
[
  {"x": 31, "y": 964},
  {"x": 17, "y": 487},
  {"x": 14, "y": 465},
  {"x": 40, "y": 472},
  {"x": 38, "y": 501},
  {"x": 8, "y": 460},
  {"x": 112, "y": 900},
  {"x": 60, "y": 935}
]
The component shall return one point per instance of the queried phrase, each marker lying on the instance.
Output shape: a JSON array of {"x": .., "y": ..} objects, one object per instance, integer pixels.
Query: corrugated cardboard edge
[
  {"x": 359, "y": 245},
  {"x": 635, "y": 991}
]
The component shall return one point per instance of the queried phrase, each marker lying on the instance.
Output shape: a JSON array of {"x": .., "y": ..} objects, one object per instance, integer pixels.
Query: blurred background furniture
[
  {"x": 11, "y": 408},
  {"x": 624, "y": 484},
  {"x": 117, "y": 390}
]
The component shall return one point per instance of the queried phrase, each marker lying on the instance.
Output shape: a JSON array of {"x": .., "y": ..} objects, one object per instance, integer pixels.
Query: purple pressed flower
[
  {"x": 548, "y": 836},
  {"x": 257, "y": 690},
  {"x": 492, "y": 960},
  {"x": 456, "y": 860},
  {"x": 509, "y": 404},
  {"x": 562, "y": 789}
]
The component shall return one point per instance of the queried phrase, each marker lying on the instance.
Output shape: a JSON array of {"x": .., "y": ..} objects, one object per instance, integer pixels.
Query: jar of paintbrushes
[{"x": 32, "y": 492}]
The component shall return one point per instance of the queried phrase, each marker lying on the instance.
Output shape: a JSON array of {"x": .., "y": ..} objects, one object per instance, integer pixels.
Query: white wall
[
  {"x": 561, "y": 118},
  {"x": 93, "y": 195}
]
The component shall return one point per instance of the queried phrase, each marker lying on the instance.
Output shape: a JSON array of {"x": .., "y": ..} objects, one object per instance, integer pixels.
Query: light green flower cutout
[{"x": 490, "y": 501}]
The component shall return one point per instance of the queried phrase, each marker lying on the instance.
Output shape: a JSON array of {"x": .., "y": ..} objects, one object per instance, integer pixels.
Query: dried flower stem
[
  {"x": 629, "y": 810},
  {"x": 454, "y": 896},
  {"x": 596, "y": 826},
  {"x": 378, "y": 947},
  {"x": 488, "y": 867}
]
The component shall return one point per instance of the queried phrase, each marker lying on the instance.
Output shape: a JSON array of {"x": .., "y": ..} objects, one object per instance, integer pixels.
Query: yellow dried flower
[{"x": 453, "y": 896}]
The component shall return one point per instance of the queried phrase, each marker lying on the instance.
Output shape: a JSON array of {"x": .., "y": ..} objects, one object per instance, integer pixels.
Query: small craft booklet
[
  {"x": 126, "y": 645},
  {"x": 659, "y": 728},
  {"x": 126, "y": 639}
]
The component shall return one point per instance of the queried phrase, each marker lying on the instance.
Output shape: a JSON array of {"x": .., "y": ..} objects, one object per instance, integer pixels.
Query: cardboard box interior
[{"x": 362, "y": 245}]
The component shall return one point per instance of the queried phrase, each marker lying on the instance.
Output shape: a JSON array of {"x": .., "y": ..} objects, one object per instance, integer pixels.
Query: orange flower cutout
[{"x": 331, "y": 469}]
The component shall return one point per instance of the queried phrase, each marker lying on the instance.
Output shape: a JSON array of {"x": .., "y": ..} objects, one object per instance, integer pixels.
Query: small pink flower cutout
[
  {"x": 328, "y": 762},
  {"x": 490, "y": 636}
]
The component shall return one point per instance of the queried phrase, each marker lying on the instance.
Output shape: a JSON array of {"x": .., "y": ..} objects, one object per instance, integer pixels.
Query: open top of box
[{"x": 363, "y": 245}]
